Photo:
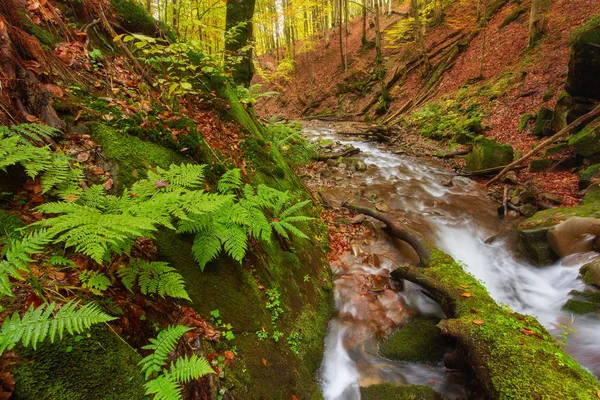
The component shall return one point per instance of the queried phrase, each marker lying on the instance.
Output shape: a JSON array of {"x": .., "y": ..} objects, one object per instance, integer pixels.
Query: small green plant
[
  {"x": 38, "y": 324},
  {"x": 294, "y": 340},
  {"x": 95, "y": 281},
  {"x": 262, "y": 334},
  {"x": 167, "y": 378},
  {"x": 274, "y": 304},
  {"x": 215, "y": 316},
  {"x": 250, "y": 95}
]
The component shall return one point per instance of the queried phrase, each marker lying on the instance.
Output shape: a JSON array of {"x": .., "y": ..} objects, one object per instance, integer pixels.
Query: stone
[
  {"x": 592, "y": 194},
  {"x": 528, "y": 197},
  {"x": 556, "y": 149},
  {"x": 515, "y": 200},
  {"x": 587, "y": 142},
  {"x": 325, "y": 173},
  {"x": 487, "y": 153},
  {"x": 361, "y": 165},
  {"x": 552, "y": 198},
  {"x": 583, "y": 79},
  {"x": 540, "y": 164},
  {"x": 382, "y": 207},
  {"x": 358, "y": 219},
  {"x": 342, "y": 165},
  {"x": 568, "y": 109},
  {"x": 527, "y": 210},
  {"x": 590, "y": 272},
  {"x": 589, "y": 175},
  {"x": 575, "y": 235},
  {"x": 534, "y": 244},
  {"x": 332, "y": 162},
  {"x": 543, "y": 122},
  {"x": 510, "y": 177}
]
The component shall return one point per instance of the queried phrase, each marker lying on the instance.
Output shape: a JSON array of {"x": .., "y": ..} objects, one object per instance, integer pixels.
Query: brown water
[{"x": 455, "y": 213}]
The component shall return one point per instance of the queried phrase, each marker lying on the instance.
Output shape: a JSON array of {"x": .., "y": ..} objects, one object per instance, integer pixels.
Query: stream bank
[{"x": 457, "y": 216}]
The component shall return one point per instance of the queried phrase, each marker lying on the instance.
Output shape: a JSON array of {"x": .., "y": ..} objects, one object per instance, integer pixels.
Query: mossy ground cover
[
  {"x": 419, "y": 340},
  {"x": 387, "y": 391},
  {"x": 96, "y": 366}
]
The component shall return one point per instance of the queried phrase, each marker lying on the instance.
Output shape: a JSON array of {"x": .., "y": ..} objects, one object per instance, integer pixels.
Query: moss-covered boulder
[
  {"x": 583, "y": 79},
  {"x": 543, "y": 122},
  {"x": 581, "y": 307},
  {"x": 589, "y": 175},
  {"x": 388, "y": 391},
  {"x": 587, "y": 142},
  {"x": 134, "y": 17},
  {"x": 592, "y": 195},
  {"x": 568, "y": 109},
  {"x": 533, "y": 232},
  {"x": 129, "y": 156},
  {"x": 98, "y": 365},
  {"x": 419, "y": 340},
  {"x": 539, "y": 164},
  {"x": 590, "y": 272},
  {"x": 487, "y": 153}
]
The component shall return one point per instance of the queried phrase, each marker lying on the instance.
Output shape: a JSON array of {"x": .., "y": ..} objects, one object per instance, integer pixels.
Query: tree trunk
[
  {"x": 239, "y": 15},
  {"x": 364, "y": 23},
  {"x": 535, "y": 22},
  {"x": 414, "y": 7}
]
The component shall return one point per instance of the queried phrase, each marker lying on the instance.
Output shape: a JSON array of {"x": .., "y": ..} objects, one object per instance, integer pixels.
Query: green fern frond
[
  {"x": 60, "y": 261},
  {"x": 280, "y": 230},
  {"x": 207, "y": 245},
  {"x": 38, "y": 324},
  {"x": 96, "y": 281},
  {"x": 294, "y": 209},
  {"x": 162, "y": 346},
  {"x": 292, "y": 229},
  {"x": 10, "y": 227},
  {"x": 17, "y": 252},
  {"x": 230, "y": 181},
  {"x": 184, "y": 176},
  {"x": 14, "y": 151},
  {"x": 33, "y": 132},
  {"x": 235, "y": 242},
  {"x": 164, "y": 387},
  {"x": 154, "y": 278},
  {"x": 186, "y": 369}
]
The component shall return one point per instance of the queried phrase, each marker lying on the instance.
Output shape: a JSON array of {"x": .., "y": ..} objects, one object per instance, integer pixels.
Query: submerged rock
[
  {"x": 590, "y": 272},
  {"x": 575, "y": 235},
  {"x": 487, "y": 153}
]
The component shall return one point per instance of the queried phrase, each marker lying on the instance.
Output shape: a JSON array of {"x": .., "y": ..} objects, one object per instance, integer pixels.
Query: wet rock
[
  {"x": 515, "y": 200},
  {"x": 575, "y": 235},
  {"x": 487, "y": 153},
  {"x": 325, "y": 173},
  {"x": 580, "y": 307},
  {"x": 342, "y": 165},
  {"x": 447, "y": 182},
  {"x": 590, "y": 273},
  {"x": 543, "y": 122},
  {"x": 527, "y": 197},
  {"x": 534, "y": 244},
  {"x": 540, "y": 164},
  {"x": 382, "y": 207},
  {"x": 567, "y": 110},
  {"x": 552, "y": 198},
  {"x": 361, "y": 165},
  {"x": 332, "y": 162},
  {"x": 587, "y": 142},
  {"x": 510, "y": 177},
  {"x": 338, "y": 178},
  {"x": 589, "y": 175},
  {"x": 358, "y": 219},
  {"x": 419, "y": 340},
  {"x": 527, "y": 210}
]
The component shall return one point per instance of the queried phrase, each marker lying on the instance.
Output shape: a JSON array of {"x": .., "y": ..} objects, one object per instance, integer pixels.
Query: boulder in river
[
  {"x": 575, "y": 235},
  {"x": 533, "y": 232},
  {"x": 487, "y": 153},
  {"x": 419, "y": 340},
  {"x": 590, "y": 272},
  {"x": 389, "y": 391}
]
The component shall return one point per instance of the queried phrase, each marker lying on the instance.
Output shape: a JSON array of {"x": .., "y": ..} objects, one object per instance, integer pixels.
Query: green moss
[
  {"x": 133, "y": 155},
  {"x": 134, "y": 17},
  {"x": 592, "y": 195},
  {"x": 487, "y": 153},
  {"x": 100, "y": 367},
  {"x": 540, "y": 164},
  {"x": 543, "y": 122},
  {"x": 580, "y": 307},
  {"x": 553, "y": 216},
  {"x": 513, "y": 16},
  {"x": 46, "y": 38},
  {"x": 555, "y": 149},
  {"x": 419, "y": 340},
  {"x": 589, "y": 32},
  {"x": 587, "y": 142},
  {"x": 388, "y": 391}
]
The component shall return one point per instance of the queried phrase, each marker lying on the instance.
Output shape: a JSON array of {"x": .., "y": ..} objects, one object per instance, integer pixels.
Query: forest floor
[{"x": 524, "y": 79}]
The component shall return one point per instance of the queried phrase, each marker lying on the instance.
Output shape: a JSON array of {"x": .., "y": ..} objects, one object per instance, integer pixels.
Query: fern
[
  {"x": 38, "y": 324},
  {"x": 167, "y": 383},
  {"x": 14, "y": 151},
  {"x": 154, "y": 278},
  {"x": 60, "y": 261},
  {"x": 163, "y": 345},
  {"x": 10, "y": 227},
  {"x": 96, "y": 282},
  {"x": 282, "y": 224},
  {"x": 30, "y": 132},
  {"x": 230, "y": 181}
]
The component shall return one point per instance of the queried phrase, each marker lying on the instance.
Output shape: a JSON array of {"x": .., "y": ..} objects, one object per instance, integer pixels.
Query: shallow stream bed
[{"x": 455, "y": 213}]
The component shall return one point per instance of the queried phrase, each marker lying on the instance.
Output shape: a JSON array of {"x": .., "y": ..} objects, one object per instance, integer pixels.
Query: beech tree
[{"x": 535, "y": 22}]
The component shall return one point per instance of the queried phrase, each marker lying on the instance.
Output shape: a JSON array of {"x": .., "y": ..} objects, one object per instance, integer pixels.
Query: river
[{"x": 455, "y": 213}]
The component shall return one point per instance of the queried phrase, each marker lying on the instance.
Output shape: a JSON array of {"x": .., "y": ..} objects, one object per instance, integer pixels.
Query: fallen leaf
[
  {"x": 474, "y": 311},
  {"x": 72, "y": 197},
  {"x": 229, "y": 355},
  {"x": 31, "y": 118},
  {"x": 108, "y": 184},
  {"x": 478, "y": 322},
  {"x": 1, "y": 25},
  {"x": 294, "y": 397},
  {"x": 161, "y": 184},
  {"x": 82, "y": 157},
  {"x": 78, "y": 115},
  {"x": 526, "y": 331},
  {"x": 57, "y": 276},
  {"x": 98, "y": 171},
  {"x": 465, "y": 294},
  {"x": 54, "y": 89},
  {"x": 264, "y": 361}
]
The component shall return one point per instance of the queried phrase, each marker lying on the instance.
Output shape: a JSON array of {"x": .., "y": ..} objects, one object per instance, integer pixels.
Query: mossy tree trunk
[
  {"x": 512, "y": 355},
  {"x": 239, "y": 38},
  {"x": 535, "y": 22}
]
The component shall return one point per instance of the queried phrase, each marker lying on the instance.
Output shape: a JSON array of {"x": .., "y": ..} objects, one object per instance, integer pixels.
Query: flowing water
[{"x": 456, "y": 214}]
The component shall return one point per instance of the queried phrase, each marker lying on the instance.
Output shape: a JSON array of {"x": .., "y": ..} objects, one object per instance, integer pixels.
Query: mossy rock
[
  {"x": 99, "y": 367},
  {"x": 583, "y": 79},
  {"x": 581, "y": 307},
  {"x": 568, "y": 109},
  {"x": 540, "y": 164},
  {"x": 592, "y": 195},
  {"x": 555, "y": 149},
  {"x": 524, "y": 121},
  {"x": 588, "y": 175},
  {"x": 388, "y": 391},
  {"x": 532, "y": 232},
  {"x": 590, "y": 272},
  {"x": 134, "y": 17},
  {"x": 132, "y": 155},
  {"x": 513, "y": 16},
  {"x": 419, "y": 340},
  {"x": 587, "y": 142},
  {"x": 487, "y": 153},
  {"x": 543, "y": 122}
]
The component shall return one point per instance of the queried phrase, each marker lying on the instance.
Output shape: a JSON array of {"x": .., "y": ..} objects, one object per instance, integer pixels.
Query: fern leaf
[
  {"x": 279, "y": 229},
  {"x": 10, "y": 227},
  {"x": 154, "y": 278},
  {"x": 164, "y": 387},
  {"x": 207, "y": 245},
  {"x": 186, "y": 369},
  {"x": 235, "y": 242},
  {"x": 294, "y": 209},
  {"x": 97, "y": 282},
  {"x": 185, "y": 176},
  {"x": 230, "y": 181},
  {"x": 295, "y": 231},
  {"x": 164, "y": 344},
  {"x": 38, "y": 324}
]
